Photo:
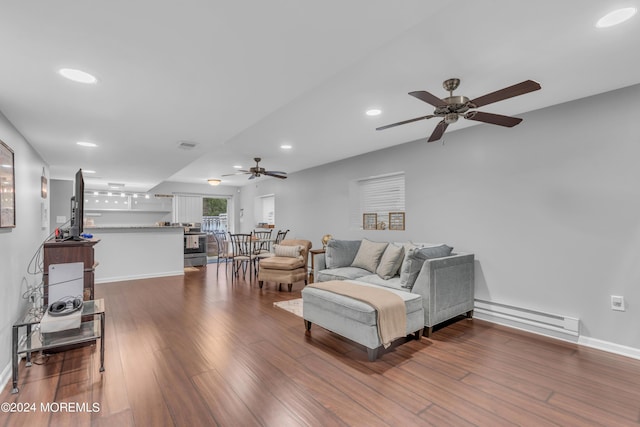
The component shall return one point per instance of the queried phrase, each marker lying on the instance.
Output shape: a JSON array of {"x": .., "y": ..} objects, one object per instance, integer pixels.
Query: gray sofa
[{"x": 443, "y": 279}]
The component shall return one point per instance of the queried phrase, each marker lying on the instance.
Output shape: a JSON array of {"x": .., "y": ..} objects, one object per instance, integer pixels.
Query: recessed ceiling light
[
  {"x": 616, "y": 17},
  {"x": 237, "y": 167},
  {"x": 77, "y": 75},
  {"x": 286, "y": 147},
  {"x": 214, "y": 181},
  {"x": 86, "y": 144},
  {"x": 88, "y": 171},
  {"x": 373, "y": 112}
]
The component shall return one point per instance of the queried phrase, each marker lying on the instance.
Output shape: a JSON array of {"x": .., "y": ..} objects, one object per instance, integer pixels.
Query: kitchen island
[{"x": 137, "y": 252}]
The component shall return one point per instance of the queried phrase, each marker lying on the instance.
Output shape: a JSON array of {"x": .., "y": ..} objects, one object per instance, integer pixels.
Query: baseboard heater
[{"x": 555, "y": 325}]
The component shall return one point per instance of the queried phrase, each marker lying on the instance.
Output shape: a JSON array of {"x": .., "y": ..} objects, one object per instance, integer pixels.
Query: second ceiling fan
[
  {"x": 452, "y": 107},
  {"x": 257, "y": 171}
]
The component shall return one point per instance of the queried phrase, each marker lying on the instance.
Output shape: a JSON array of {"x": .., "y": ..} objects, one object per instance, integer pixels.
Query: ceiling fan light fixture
[
  {"x": 214, "y": 182},
  {"x": 77, "y": 76},
  {"x": 451, "y": 118},
  {"x": 616, "y": 17}
]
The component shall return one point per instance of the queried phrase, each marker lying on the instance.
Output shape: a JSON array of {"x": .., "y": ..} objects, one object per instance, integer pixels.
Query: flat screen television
[{"x": 77, "y": 208}]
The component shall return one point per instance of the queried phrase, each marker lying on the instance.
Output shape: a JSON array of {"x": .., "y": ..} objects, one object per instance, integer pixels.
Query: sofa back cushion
[
  {"x": 415, "y": 258},
  {"x": 369, "y": 254},
  {"x": 390, "y": 262},
  {"x": 340, "y": 253}
]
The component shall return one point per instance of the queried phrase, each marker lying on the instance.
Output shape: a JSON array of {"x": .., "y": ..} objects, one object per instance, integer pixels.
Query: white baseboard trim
[
  {"x": 554, "y": 325},
  {"x": 610, "y": 347},
  {"x": 525, "y": 327},
  {"x": 139, "y": 276},
  {"x": 513, "y": 317}
]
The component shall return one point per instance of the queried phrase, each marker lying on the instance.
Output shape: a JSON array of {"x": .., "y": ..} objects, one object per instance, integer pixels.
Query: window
[
  {"x": 376, "y": 195},
  {"x": 214, "y": 214},
  {"x": 187, "y": 208},
  {"x": 265, "y": 210}
]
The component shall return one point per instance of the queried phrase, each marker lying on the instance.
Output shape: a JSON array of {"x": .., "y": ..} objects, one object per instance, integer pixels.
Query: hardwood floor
[{"x": 195, "y": 351}]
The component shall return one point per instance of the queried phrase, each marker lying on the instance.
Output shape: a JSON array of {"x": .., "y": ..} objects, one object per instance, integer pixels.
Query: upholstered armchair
[{"x": 289, "y": 265}]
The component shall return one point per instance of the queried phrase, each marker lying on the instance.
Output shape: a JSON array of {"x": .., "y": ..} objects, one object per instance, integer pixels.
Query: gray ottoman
[{"x": 354, "y": 319}]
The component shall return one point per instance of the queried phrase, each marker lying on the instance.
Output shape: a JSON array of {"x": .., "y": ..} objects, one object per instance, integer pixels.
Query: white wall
[
  {"x": 551, "y": 208},
  {"x": 60, "y": 193},
  {"x": 18, "y": 245}
]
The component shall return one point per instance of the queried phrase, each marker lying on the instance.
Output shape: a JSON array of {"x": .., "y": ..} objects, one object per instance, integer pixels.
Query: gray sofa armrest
[
  {"x": 447, "y": 287},
  {"x": 319, "y": 263}
]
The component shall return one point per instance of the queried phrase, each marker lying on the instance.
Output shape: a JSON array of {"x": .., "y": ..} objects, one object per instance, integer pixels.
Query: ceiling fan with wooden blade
[
  {"x": 258, "y": 171},
  {"x": 449, "y": 109}
]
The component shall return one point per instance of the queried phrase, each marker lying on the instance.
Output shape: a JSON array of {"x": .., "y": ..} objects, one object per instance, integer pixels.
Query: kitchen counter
[
  {"x": 132, "y": 252},
  {"x": 127, "y": 227}
]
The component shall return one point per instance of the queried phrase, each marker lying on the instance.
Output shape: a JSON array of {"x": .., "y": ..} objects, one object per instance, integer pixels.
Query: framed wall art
[
  {"x": 396, "y": 220},
  {"x": 369, "y": 221},
  {"x": 7, "y": 187},
  {"x": 44, "y": 187}
]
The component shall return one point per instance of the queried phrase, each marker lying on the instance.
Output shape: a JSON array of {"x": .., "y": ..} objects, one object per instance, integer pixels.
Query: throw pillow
[
  {"x": 414, "y": 260},
  {"x": 435, "y": 251},
  {"x": 340, "y": 253},
  {"x": 287, "y": 251},
  {"x": 369, "y": 254},
  {"x": 390, "y": 262},
  {"x": 406, "y": 263}
]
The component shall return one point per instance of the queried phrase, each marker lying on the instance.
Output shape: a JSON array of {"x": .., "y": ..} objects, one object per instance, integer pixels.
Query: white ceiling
[{"x": 242, "y": 78}]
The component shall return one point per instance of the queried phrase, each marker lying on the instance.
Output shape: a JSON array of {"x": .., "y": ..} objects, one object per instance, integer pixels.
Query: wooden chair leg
[
  {"x": 290, "y": 286},
  {"x": 260, "y": 283}
]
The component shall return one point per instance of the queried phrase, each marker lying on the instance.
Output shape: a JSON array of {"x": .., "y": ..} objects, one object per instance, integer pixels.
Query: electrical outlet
[{"x": 617, "y": 303}]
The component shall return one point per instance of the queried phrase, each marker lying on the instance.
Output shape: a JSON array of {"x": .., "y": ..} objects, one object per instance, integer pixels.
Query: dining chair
[
  {"x": 261, "y": 247},
  {"x": 241, "y": 255},
  {"x": 261, "y": 242},
  {"x": 280, "y": 236},
  {"x": 224, "y": 254}
]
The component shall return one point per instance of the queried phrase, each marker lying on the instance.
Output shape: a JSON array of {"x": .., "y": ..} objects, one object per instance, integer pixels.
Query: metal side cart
[{"x": 91, "y": 328}]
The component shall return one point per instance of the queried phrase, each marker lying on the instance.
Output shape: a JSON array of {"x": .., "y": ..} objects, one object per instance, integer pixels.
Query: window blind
[
  {"x": 187, "y": 208},
  {"x": 378, "y": 194}
]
